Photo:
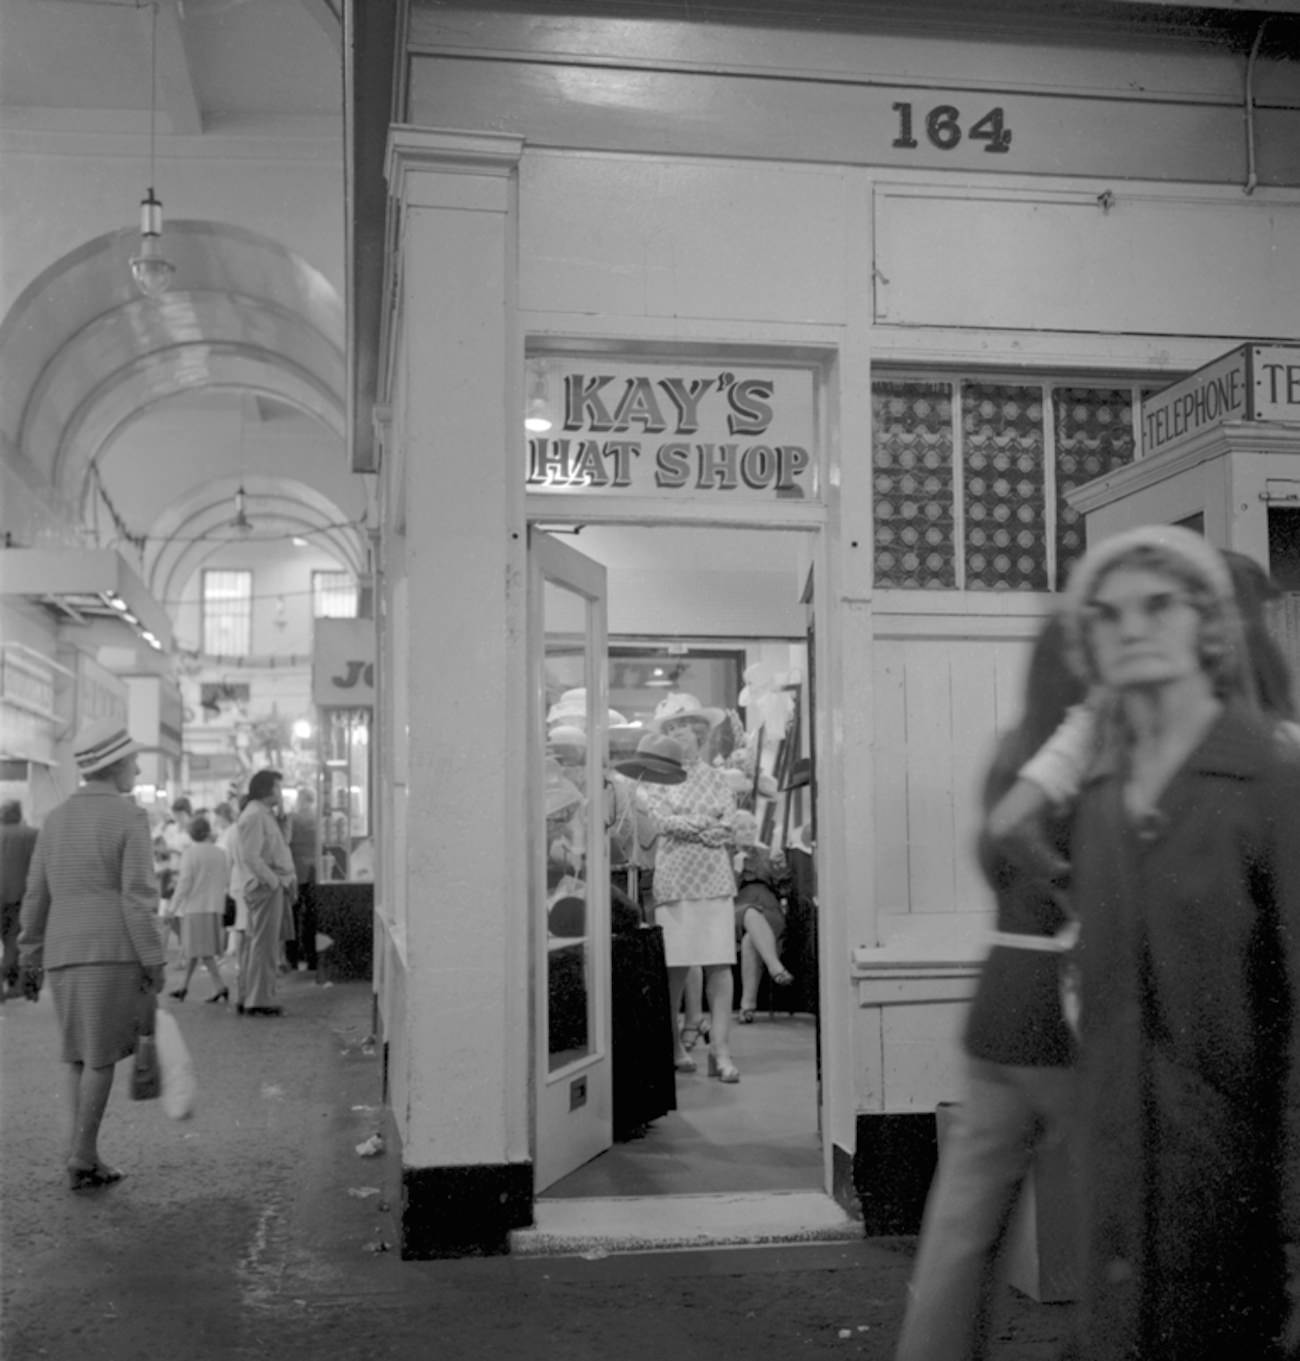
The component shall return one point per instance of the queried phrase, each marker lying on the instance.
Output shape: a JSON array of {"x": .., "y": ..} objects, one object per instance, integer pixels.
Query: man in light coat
[{"x": 269, "y": 886}]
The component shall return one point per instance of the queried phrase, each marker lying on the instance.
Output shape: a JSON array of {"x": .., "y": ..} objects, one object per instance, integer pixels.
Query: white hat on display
[
  {"x": 679, "y": 705},
  {"x": 571, "y": 708}
]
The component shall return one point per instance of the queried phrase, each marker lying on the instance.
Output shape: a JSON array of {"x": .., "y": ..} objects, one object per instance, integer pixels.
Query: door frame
[
  {"x": 544, "y": 511},
  {"x": 572, "y": 1106}
]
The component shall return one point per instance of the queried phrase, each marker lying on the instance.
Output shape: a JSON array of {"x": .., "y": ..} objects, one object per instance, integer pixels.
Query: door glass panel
[{"x": 568, "y": 812}]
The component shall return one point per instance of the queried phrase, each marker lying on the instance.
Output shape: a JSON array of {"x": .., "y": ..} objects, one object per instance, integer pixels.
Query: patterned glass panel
[
  {"x": 1002, "y": 487},
  {"x": 912, "y": 471},
  {"x": 1094, "y": 435}
]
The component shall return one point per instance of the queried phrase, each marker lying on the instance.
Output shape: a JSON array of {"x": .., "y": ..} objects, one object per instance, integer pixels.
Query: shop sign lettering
[
  {"x": 652, "y": 431},
  {"x": 343, "y": 663},
  {"x": 1251, "y": 383}
]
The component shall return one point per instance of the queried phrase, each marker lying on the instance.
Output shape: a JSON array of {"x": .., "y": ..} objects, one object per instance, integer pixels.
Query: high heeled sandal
[
  {"x": 783, "y": 978},
  {"x": 220, "y": 996},
  {"x": 747, "y": 1015},
  {"x": 705, "y": 1028},
  {"x": 92, "y": 1178},
  {"x": 690, "y": 1036},
  {"x": 723, "y": 1068},
  {"x": 685, "y": 1064}
]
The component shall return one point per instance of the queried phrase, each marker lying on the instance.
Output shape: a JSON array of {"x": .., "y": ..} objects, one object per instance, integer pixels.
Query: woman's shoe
[
  {"x": 92, "y": 1178},
  {"x": 690, "y": 1036},
  {"x": 685, "y": 1064},
  {"x": 178, "y": 994},
  {"x": 747, "y": 1015},
  {"x": 721, "y": 1067},
  {"x": 705, "y": 1026},
  {"x": 220, "y": 996},
  {"x": 783, "y": 979}
]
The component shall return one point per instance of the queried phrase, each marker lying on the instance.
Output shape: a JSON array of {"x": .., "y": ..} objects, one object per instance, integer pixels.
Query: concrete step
[{"x": 603, "y": 1225}]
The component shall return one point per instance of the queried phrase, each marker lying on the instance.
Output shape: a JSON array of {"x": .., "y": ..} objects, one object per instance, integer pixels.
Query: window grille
[
  {"x": 333, "y": 595},
  {"x": 227, "y": 613},
  {"x": 970, "y": 476}
]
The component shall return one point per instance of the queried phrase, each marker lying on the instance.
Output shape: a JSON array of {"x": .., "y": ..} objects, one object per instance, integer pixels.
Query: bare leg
[
  {"x": 677, "y": 976},
  {"x": 214, "y": 973},
  {"x": 758, "y": 929},
  {"x": 189, "y": 976},
  {"x": 89, "y": 1089},
  {"x": 694, "y": 996},
  {"x": 751, "y": 973},
  {"x": 718, "y": 986}
]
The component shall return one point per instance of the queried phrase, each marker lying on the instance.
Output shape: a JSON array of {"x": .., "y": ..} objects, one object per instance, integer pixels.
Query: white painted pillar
[{"x": 464, "y": 1045}]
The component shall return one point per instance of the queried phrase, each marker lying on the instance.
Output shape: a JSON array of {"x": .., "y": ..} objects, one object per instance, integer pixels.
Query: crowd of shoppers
[{"x": 82, "y": 917}]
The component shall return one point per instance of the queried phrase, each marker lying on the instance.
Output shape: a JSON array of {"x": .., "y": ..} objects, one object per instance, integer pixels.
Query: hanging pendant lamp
[{"x": 151, "y": 269}]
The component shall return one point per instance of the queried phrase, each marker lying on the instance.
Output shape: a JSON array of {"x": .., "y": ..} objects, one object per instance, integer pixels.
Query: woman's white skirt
[{"x": 698, "y": 931}]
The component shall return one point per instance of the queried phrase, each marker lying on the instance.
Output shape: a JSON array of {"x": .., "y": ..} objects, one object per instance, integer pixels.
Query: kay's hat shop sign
[{"x": 668, "y": 430}]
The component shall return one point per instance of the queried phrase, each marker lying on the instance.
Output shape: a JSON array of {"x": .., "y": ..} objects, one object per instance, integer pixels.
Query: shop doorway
[{"x": 723, "y": 614}]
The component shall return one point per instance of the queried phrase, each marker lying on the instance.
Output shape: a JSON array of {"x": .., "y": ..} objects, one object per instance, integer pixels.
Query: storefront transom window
[{"x": 970, "y": 476}]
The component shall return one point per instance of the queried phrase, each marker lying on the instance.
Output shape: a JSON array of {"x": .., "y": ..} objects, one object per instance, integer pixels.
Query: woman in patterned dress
[
  {"x": 89, "y": 922},
  {"x": 694, "y": 886}
]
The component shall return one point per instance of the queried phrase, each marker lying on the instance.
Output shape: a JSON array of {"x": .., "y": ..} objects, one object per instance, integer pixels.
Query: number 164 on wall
[{"x": 943, "y": 128}]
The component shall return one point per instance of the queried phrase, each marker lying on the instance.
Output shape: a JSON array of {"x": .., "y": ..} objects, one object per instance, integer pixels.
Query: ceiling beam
[
  {"x": 371, "y": 43},
  {"x": 177, "y": 96}
]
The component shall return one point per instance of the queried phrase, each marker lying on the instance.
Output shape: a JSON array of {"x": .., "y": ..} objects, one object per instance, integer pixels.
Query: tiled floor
[{"x": 758, "y": 1135}]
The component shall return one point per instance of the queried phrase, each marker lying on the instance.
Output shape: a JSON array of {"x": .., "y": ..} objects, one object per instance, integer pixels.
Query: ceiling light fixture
[
  {"x": 241, "y": 522},
  {"x": 151, "y": 269}
]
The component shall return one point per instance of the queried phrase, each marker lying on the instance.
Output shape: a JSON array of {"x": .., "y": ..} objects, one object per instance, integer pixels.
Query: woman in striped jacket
[{"x": 89, "y": 921}]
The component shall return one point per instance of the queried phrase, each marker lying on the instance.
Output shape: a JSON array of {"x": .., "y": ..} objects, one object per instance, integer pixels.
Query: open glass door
[{"x": 569, "y": 888}]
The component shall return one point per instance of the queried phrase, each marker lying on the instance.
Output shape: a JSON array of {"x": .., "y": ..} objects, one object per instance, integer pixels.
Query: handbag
[
  {"x": 228, "y": 912},
  {"x": 146, "y": 1075},
  {"x": 179, "y": 1084}
]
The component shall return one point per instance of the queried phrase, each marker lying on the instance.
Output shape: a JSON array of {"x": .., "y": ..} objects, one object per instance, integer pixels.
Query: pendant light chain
[{"x": 153, "y": 88}]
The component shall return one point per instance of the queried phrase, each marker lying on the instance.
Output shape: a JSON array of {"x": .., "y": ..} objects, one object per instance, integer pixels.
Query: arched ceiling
[
  {"x": 196, "y": 526},
  {"x": 81, "y": 353}
]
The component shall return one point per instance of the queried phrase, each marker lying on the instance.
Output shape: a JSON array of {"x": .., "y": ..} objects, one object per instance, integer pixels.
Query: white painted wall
[{"x": 282, "y": 599}]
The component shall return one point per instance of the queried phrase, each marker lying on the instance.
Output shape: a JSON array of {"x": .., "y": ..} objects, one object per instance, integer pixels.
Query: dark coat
[{"x": 1190, "y": 958}]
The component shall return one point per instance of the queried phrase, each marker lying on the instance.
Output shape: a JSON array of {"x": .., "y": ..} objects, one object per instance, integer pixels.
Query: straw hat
[
  {"x": 571, "y": 708},
  {"x": 567, "y": 744},
  {"x": 679, "y": 705},
  {"x": 102, "y": 744}
]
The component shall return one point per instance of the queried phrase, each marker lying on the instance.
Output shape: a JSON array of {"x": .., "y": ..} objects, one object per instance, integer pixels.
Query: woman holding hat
[
  {"x": 694, "y": 885},
  {"x": 1186, "y": 879},
  {"x": 89, "y": 922}
]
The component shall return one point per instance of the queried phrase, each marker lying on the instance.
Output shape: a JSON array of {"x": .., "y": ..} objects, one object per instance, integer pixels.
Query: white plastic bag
[{"x": 179, "y": 1084}]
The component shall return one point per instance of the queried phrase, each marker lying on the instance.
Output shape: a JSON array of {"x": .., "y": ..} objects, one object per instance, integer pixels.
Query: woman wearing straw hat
[
  {"x": 1186, "y": 880},
  {"x": 89, "y": 922},
  {"x": 694, "y": 885}
]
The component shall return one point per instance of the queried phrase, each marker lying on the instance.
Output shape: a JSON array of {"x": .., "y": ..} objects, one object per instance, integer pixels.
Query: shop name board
[
  {"x": 26, "y": 681},
  {"x": 1252, "y": 383},
  {"x": 655, "y": 431},
  {"x": 343, "y": 664}
]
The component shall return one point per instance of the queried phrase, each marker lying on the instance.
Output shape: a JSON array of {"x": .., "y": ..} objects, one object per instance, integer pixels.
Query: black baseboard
[
  {"x": 464, "y": 1211},
  {"x": 892, "y": 1170},
  {"x": 843, "y": 1188}
]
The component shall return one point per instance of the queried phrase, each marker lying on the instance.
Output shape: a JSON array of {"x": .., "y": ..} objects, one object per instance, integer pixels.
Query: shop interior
[{"x": 722, "y": 614}]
